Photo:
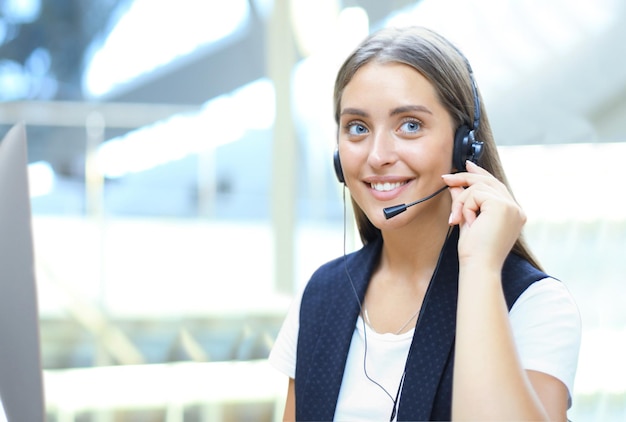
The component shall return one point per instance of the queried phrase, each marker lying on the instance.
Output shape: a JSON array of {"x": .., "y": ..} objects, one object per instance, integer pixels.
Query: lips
[{"x": 386, "y": 186}]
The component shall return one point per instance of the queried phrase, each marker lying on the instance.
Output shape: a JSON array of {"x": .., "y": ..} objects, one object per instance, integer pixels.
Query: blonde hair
[{"x": 447, "y": 69}]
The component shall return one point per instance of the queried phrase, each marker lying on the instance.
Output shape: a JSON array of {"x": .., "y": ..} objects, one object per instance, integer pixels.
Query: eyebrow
[
  {"x": 395, "y": 111},
  {"x": 404, "y": 109},
  {"x": 354, "y": 111}
]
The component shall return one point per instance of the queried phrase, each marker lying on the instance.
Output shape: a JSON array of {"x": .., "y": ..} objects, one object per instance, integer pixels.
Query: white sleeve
[
  {"x": 283, "y": 353},
  {"x": 3, "y": 416},
  {"x": 547, "y": 329}
]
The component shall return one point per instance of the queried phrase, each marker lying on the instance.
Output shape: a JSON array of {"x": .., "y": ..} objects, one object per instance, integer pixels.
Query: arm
[
  {"x": 489, "y": 381},
  {"x": 290, "y": 404}
]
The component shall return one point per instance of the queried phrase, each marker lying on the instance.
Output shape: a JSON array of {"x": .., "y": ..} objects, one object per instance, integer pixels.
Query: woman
[{"x": 443, "y": 314}]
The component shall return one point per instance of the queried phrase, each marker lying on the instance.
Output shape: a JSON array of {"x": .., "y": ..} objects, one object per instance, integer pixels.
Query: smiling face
[{"x": 395, "y": 140}]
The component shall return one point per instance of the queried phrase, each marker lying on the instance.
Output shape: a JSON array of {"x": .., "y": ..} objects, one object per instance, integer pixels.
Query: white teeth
[{"x": 385, "y": 187}]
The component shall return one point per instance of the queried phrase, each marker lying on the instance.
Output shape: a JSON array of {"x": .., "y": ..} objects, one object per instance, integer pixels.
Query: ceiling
[
  {"x": 575, "y": 96},
  {"x": 66, "y": 28}
]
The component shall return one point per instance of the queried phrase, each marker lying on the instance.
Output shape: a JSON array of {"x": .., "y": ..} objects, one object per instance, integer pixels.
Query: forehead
[{"x": 376, "y": 82}]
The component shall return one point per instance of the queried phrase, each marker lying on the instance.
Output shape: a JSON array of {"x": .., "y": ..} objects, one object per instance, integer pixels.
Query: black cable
[{"x": 345, "y": 262}]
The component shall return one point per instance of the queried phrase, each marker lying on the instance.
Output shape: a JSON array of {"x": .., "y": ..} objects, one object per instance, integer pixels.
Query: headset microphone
[{"x": 399, "y": 209}]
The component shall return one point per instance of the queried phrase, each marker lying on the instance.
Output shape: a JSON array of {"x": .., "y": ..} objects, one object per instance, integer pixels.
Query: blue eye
[
  {"x": 411, "y": 126},
  {"x": 356, "y": 129}
]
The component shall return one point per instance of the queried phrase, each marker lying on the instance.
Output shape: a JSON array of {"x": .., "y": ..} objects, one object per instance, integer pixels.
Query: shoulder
[
  {"x": 354, "y": 265},
  {"x": 322, "y": 282},
  {"x": 549, "y": 297},
  {"x": 547, "y": 327},
  {"x": 327, "y": 271},
  {"x": 517, "y": 275},
  {"x": 519, "y": 269},
  {"x": 339, "y": 280}
]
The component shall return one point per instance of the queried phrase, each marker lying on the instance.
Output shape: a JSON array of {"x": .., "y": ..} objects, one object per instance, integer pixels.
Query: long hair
[{"x": 447, "y": 69}]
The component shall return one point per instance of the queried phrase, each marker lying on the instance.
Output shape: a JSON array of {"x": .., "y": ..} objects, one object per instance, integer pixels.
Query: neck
[{"x": 411, "y": 252}]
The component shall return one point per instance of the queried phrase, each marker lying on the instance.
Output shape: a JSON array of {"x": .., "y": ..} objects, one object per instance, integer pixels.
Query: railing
[{"x": 168, "y": 388}]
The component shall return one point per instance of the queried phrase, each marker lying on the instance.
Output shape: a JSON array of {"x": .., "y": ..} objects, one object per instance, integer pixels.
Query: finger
[
  {"x": 456, "y": 210},
  {"x": 465, "y": 179},
  {"x": 473, "y": 176},
  {"x": 470, "y": 210},
  {"x": 469, "y": 202},
  {"x": 465, "y": 206},
  {"x": 472, "y": 167}
]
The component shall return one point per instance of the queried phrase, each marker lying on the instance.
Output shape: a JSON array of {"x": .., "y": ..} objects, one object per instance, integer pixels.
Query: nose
[{"x": 382, "y": 151}]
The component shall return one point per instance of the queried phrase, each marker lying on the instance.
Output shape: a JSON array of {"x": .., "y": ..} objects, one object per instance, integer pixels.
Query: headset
[{"x": 466, "y": 146}]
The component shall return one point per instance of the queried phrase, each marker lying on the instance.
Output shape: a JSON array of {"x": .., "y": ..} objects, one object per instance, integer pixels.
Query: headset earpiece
[
  {"x": 337, "y": 165},
  {"x": 466, "y": 147}
]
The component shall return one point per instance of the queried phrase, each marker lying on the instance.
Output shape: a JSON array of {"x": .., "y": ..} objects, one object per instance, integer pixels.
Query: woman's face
[{"x": 395, "y": 141}]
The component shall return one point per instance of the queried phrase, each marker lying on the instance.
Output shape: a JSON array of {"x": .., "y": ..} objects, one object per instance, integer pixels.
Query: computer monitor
[{"x": 21, "y": 385}]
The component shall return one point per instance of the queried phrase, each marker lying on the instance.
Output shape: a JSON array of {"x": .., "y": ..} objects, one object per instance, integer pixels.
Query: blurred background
[{"x": 182, "y": 185}]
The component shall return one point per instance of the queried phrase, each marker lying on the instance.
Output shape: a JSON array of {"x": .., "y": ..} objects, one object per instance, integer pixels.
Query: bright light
[
  {"x": 152, "y": 34},
  {"x": 566, "y": 182},
  {"x": 40, "y": 178},
  {"x": 353, "y": 27},
  {"x": 21, "y": 11},
  {"x": 222, "y": 120},
  {"x": 506, "y": 40},
  {"x": 307, "y": 19}
]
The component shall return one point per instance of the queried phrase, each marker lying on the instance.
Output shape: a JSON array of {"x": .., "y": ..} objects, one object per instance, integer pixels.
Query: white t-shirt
[{"x": 546, "y": 327}]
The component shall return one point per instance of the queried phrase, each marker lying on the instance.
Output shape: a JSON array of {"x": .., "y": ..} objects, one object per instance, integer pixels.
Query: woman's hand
[{"x": 489, "y": 218}]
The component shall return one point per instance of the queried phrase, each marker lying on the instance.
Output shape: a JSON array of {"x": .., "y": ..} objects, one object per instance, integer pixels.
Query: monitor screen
[{"x": 21, "y": 386}]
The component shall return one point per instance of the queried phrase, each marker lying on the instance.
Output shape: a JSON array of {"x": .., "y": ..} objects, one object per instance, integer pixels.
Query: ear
[
  {"x": 459, "y": 152},
  {"x": 337, "y": 165},
  {"x": 466, "y": 147}
]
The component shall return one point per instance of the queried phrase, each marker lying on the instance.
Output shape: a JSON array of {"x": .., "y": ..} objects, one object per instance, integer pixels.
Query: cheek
[
  {"x": 350, "y": 157},
  {"x": 446, "y": 150},
  {"x": 435, "y": 158}
]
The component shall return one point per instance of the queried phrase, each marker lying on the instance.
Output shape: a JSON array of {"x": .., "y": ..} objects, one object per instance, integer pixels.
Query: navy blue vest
[{"x": 328, "y": 316}]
